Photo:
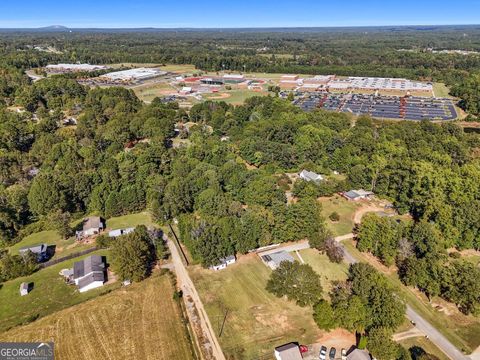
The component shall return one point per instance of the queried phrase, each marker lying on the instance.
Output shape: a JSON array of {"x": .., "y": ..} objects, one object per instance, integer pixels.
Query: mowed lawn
[
  {"x": 426, "y": 345},
  {"x": 327, "y": 270},
  {"x": 237, "y": 97},
  {"x": 63, "y": 247},
  {"x": 131, "y": 220},
  {"x": 346, "y": 209},
  {"x": 256, "y": 321},
  {"x": 142, "y": 321},
  {"x": 49, "y": 294}
]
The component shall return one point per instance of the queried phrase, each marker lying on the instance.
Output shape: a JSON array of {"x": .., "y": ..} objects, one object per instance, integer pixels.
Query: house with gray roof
[
  {"x": 89, "y": 273},
  {"x": 91, "y": 226},
  {"x": 310, "y": 176},
  {"x": 274, "y": 260},
  {"x": 356, "y": 195},
  {"x": 39, "y": 250},
  {"x": 288, "y": 352},
  {"x": 119, "y": 232}
]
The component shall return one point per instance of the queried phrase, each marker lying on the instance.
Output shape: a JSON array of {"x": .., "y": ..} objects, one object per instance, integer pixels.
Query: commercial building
[
  {"x": 132, "y": 75},
  {"x": 383, "y": 84},
  {"x": 66, "y": 68}
]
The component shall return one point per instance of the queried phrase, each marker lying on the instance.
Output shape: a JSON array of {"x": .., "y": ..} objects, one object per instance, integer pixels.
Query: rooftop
[
  {"x": 288, "y": 352},
  {"x": 92, "y": 222},
  {"x": 36, "y": 249},
  {"x": 88, "y": 265}
]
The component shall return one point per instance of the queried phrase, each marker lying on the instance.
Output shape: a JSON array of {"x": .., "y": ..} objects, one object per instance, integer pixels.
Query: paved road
[
  {"x": 189, "y": 290},
  {"x": 424, "y": 326}
]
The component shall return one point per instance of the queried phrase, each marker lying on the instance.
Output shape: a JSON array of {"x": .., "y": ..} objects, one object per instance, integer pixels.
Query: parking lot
[{"x": 385, "y": 107}]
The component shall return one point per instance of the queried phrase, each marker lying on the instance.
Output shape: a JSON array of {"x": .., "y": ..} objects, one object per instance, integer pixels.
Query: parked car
[
  {"x": 344, "y": 354},
  {"x": 303, "y": 349},
  {"x": 332, "y": 353},
  {"x": 323, "y": 353}
]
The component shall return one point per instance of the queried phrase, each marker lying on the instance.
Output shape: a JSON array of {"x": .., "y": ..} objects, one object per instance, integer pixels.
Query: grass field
[
  {"x": 49, "y": 294},
  {"x": 426, "y": 345},
  {"x": 148, "y": 92},
  {"x": 237, "y": 97},
  {"x": 131, "y": 220},
  {"x": 463, "y": 331},
  {"x": 441, "y": 90},
  {"x": 256, "y": 321},
  {"x": 62, "y": 247},
  {"x": 139, "y": 322},
  {"x": 346, "y": 209},
  {"x": 327, "y": 270}
]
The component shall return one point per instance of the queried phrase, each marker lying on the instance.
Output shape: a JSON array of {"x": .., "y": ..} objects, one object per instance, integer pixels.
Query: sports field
[{"x": 142, "y": 321}]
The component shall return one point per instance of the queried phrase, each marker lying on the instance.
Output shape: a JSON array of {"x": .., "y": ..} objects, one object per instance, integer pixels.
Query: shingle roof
[
  {"x": 92, "y": 222},
  {"x": 87, "y": 280},
  {"x": 88, "y": 265},
  {"x": 36, "y": 249},
  {"x": 289, "y": 352}
]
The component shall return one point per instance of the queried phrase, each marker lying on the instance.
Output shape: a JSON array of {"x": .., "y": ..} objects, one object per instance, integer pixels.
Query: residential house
[
  {"x": 39, "y": 250},
  {"x": 120, "y": 232},
  {"x": 275, "y": 259},
  {"x": 224, "y": 262},
  {"x": 288, "y": 352},
  {"x": 358, "y": 354},
  {"x": 90, "y": 273},
  {"x": 310, "y": 176},
  {"x": 356, "y": 195},
  {"x": 91, "y": 226}
]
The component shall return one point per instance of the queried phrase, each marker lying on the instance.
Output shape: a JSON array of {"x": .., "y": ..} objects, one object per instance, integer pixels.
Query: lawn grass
[
  {"x": 237, "y": 97},
  {"x": 462, "y": 330},
  {"x": 426, "y": 345},
  {"x": 327, "y": 270},
  {"x": 346, "y": 209},
  {"x": 441, "y": 90},
  {"x": 50, "y": 237},
  {"x": 148, "y": 92},
  {"x": 49, "y": 294},
  {"x": 256, "y": 321},
  {"x": 131, "y": 220},
  {"x": 142, "y": 321}
]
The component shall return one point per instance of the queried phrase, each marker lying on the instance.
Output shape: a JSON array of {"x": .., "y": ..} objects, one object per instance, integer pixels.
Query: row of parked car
[{"x": 331, "y": 354}]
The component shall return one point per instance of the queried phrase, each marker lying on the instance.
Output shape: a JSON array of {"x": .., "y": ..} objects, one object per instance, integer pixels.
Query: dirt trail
[{"x": 201, "y": 323}]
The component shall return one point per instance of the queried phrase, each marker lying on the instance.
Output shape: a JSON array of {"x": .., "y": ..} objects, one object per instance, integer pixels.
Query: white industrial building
[
  {"x": 132, "y": 75},
  {"x": 373, "y": 83},
  {"x": 63, "y": 68}
]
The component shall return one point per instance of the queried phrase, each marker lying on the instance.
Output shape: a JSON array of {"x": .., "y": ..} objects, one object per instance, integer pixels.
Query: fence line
[{"x": 68, "y": 257}]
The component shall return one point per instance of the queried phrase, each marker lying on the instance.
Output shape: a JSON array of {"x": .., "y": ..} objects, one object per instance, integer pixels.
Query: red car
[{"x": 303, "y": 349}]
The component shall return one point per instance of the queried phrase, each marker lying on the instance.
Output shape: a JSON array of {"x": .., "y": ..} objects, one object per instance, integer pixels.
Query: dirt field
[{"x": 139, "y": 322}]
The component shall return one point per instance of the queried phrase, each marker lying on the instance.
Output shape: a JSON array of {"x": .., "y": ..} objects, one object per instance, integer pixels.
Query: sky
[{"x": 236, "y": 13}]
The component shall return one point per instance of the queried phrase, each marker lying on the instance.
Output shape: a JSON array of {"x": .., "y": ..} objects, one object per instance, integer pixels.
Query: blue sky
[{"x": 236, "y": 13}]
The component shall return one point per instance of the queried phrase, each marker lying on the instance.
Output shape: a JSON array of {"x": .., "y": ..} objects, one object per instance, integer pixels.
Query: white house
[
  {"x": 310, "y": 176},
  {"x": 356, "y": 195},
  {"x": 89, "y": 273},
  {"x": 224, "y": 262},
  {"x": 120, "y": 232},
  {"x": 91, "y": 226}
]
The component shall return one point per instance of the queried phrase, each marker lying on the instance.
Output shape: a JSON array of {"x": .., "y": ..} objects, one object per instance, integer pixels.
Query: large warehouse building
[
  {"x": 132, "y": 75},
  {"x": 66, "y": 68}
]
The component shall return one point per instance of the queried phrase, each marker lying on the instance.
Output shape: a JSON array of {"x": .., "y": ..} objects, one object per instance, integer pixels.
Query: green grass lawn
[
  {"x": 50, "y": 237},
  {"x": 257, "y": 321},
  {"x": 49, "y": 294},
  {"x": 462, "y": 330},
  {"x": 346, "y": 209},
  {"x": 131, "y": 220},
  {"x": 237, "y": 97},
  {"x": 441, "y": 90},
  {"x": 426, "y": 345},
  {"x": 327, "y": 270}
]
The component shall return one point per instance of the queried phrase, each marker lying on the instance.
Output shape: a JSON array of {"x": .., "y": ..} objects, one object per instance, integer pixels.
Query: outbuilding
[
  {"x": 356, "y": 195},
  {"x": 40, "y": 251},
  {"x": 310, "y": 176},
  {"x": 288, "y": 352},
  {"x": 24, "y": 289}
]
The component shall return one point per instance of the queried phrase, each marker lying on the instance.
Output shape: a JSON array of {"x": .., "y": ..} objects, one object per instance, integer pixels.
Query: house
[
  {"x": 358, "y": 354},
  {"x": 186, "y": 90},
  {"x": 275, "y": 259},
  {"x": 288, "y": 352},
  {"x": 356, "y": 195},
  {"x": 91, "y": 226},
  {"x": 24, "y": 289},
  {"x": 310, "y": 176},
  {"x": 39, "y": 250},
  {"x": 89, "y": 273},
  {"x": 120, "y": 232},
  {"x": 224, "y": 262}
]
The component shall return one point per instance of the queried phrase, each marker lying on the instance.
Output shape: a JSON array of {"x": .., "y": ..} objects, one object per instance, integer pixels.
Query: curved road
[{"x": 424, "y": 326}]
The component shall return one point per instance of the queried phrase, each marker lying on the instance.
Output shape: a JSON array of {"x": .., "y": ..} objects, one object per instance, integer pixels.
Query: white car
[
  {"x": 344, "y": 354},
  {"x": 323, "y": 353}
]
